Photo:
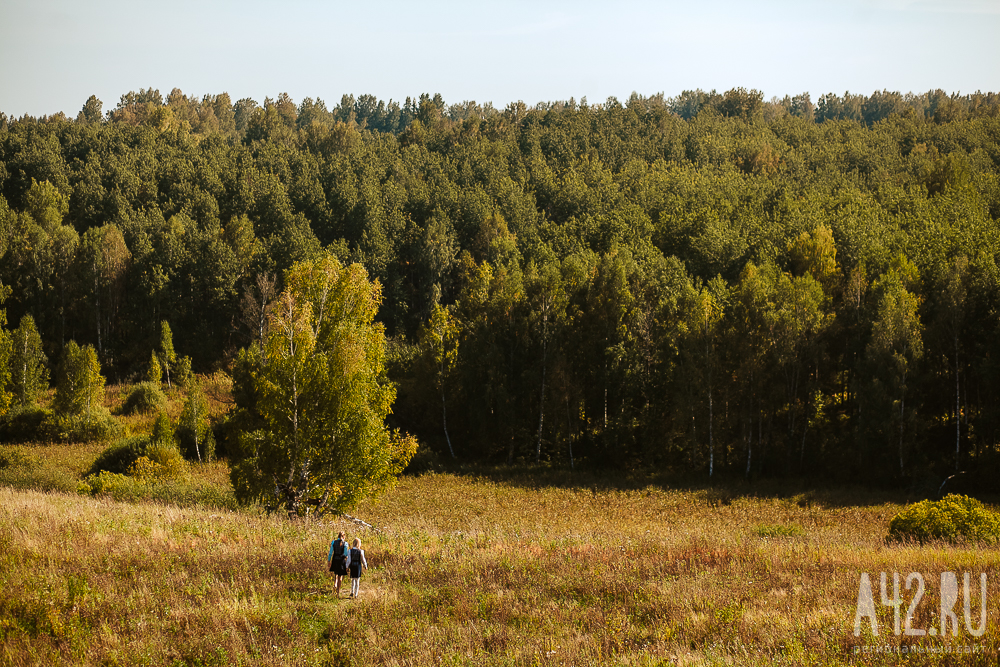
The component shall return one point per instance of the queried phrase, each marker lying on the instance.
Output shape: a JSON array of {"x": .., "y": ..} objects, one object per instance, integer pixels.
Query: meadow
[
  {"x": 469, "y": 566},
  {"x": 486, "y": 567}
]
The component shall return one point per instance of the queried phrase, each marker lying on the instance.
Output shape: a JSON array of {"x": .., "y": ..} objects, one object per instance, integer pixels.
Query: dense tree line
[{"x": 708, "y": 283}]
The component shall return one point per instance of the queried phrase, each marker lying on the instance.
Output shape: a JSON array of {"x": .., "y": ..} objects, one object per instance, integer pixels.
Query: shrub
[
  {"x": 25, "y": 424},
  {"x": 121, "y": 456},
  {"x": 146, "y": 480},
  {"x": 144, "y": 397},
  {"x": 141, "y": 457},
  {"x": 15, "y": 457},
  {"x": 953, "y": 519},
  {"x": 425, "y": 460},
  {"x": 119, "y": 487},
  {"x": 99, "y": 427},
  {"x": 167, "y": 459}
]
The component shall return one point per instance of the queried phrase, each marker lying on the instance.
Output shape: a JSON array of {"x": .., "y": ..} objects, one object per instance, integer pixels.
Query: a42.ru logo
[{"x": 915, "y": 581}]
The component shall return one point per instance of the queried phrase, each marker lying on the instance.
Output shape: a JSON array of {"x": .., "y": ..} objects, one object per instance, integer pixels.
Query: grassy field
[
  {"x": 469, "y": 567},
  {"x": 487, "y": 568}
]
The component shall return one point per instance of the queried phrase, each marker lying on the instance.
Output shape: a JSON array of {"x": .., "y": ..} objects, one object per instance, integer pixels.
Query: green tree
[
  {"x": 897, "y": 342},
  {"x": 166, "y": 352},
  {"x": 548, "y": 301},
  {"x": 952, "y": 296},
  {"x": 6, "y": 396},
  {"x": 193, "y": 422},
  {"x": 704, "y": 319},
  {"x": 798, "y": 320},
  {"x": 29, "y": 374},
  {"x": 90, "y": 114},
  {"x": 155, "y": 372},
  {"x": 105, "y": 256},
  {"x": 440, "y": 338},
  {"x": 312, "y": 401},
  {"x": 80, "y": 385},
  {"x": 163, "y": 430},
  {"x": 46, "y": 205}
]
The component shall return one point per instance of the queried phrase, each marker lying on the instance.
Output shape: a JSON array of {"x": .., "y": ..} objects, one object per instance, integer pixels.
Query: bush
[
  {"x": 25, "y": 424},
  {"x": 119, "y": 487},
  {"x": 141, "y": 457},
  {"x": 167, "y": 459},
  {"x": 142, "y": 486},
  {"x": 101, "y": 426},
  {"x": 34, "y": 424},
  {"x": 953, "y": 519},
  {"x": 16, "y": 457},
  {"x": 121, "y": 456},
  {"x": 145, "y": 397},
  {"x": 138, "y": 468},
  {"x": 155, "y": 372}
]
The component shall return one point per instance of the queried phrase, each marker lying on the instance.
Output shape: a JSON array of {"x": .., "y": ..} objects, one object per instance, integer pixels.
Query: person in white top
[{"x": 356, "y": 563}]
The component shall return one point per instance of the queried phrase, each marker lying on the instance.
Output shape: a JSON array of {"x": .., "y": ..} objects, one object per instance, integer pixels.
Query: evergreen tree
[{"x": 6, "y": 353}]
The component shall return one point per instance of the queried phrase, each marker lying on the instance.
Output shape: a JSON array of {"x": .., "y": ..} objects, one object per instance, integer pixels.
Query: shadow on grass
[{"x": 723, "y": 490}]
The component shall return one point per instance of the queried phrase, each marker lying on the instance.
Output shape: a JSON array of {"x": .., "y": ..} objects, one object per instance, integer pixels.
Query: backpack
[
  {"x": 341, "y": 556},
  {"x": 355, "y": 560}
]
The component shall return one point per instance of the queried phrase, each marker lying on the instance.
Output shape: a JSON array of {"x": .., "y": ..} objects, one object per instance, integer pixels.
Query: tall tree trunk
[
  {"x": 902, "y": 417},
  {"x": 444, "y": 409},
  {"x": 97, "y": 301},
  {"x": 805, "y": 428},
  {"x": 958, "y": 411},
  {"x": 569, "y": 432},
  {"x": 541, "y": 407},
  {"x": 444, "y": 421},
  {"x": 805, "y": 419}
]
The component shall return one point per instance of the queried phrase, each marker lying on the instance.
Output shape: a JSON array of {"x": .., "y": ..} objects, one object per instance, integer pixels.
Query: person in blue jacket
[{"x": 339, "y": 559}]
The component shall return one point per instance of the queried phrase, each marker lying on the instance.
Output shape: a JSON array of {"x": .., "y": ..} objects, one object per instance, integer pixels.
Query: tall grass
[
  {"x": 511, "y": 567},
  {"x": 470, "y": 571}
]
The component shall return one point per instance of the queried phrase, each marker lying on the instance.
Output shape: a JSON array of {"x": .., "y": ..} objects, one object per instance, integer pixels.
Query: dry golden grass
[{"x": 469, "y": 571}]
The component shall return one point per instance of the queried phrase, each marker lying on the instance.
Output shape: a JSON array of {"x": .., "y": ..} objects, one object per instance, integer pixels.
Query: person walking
[
  {"x": 339, "y": 559},
  {"x": 357, "y": 562}
]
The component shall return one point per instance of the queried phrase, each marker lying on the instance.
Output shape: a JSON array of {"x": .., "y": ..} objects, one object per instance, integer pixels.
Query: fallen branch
[{"x": 363, "y": 524}]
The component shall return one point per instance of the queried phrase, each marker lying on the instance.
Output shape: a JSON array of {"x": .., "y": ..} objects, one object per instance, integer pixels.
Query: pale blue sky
[{"x": 56, "y": 53}]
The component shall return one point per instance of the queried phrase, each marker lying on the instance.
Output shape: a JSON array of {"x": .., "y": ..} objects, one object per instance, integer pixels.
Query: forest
[{"x": 709, "y": 284}]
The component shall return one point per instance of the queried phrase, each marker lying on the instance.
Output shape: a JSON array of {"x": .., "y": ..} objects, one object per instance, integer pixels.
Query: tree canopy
[
  {"x": 314, "y": 397},
  {"x": 712, "y": 283}
]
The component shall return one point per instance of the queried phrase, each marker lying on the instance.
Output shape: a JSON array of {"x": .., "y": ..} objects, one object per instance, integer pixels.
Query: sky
[{"x": 54, "y": 54}]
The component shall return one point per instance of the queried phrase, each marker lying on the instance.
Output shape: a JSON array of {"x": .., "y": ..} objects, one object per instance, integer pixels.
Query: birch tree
[{"x": 312, "y": 400}]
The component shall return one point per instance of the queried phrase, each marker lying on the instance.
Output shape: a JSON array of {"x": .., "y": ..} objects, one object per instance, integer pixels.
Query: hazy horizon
[{"x": 57, "y": 53}]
